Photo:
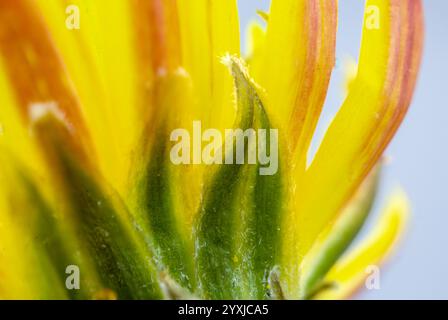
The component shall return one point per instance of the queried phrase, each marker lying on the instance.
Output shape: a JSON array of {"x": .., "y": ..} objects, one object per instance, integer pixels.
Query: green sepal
[
  {"x": 110, "y": 247},
  {"x": 341, "y": 235},
  {"x": 238, "y": 229},
  {"x": 157, "y": 194}
]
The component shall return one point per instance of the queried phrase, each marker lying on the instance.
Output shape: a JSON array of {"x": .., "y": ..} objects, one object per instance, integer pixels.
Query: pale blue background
[{"x": 419, "y": 155}]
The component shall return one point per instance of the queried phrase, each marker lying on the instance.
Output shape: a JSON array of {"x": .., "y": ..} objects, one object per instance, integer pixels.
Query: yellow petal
[
  {"x": 209, "y": 31},
  {"x": 256, "y": 35},
  {"x": 368, "y": 119},
  {"x": 157, "y": 42},
  {"x": 299, "y": 56},
  {"x": 101, "y": 59},
  {"x": 298, "y": 59},
  {"x": 350, "y": 68},
  {"x": 350, "y": 273}
]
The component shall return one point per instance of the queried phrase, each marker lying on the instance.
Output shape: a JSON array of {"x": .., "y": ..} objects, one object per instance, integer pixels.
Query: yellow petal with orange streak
[
  {"x": 158, "y": 52},
  {"x": 33, "y": 66},
  {"x": 209, "y": 31},
  {"x": 299, "y": 56},
  {"x": 101, "y": 60},
  {"x": 368, "y": 119},
  {"x": 17, "y": 279},
  {"x": 14, "y": 133},
  {"x": 349, "y": 274}
]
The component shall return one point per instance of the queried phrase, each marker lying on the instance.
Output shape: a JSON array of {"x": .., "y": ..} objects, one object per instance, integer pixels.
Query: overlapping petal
[
  {"x": 349, "y": 274},
  {"x": 368, "y": 119},
  {"x": 335, "y": 240},
  {"x": 298, "y": 57}
]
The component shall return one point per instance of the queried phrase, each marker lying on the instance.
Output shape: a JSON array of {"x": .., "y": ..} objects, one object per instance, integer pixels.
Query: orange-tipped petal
[
  {"x": 298, "y": 59},
  {"x": 32, "y": 63},
  {"x": 157, "y": 42},
  {"x": 158, "y": 26},
  {"x": 389, "y": 62}
]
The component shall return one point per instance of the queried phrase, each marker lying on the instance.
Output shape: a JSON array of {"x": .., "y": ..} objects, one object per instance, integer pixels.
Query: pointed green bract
[
  {"x": 100, "y": 220},
  {"x": 42, "y": 239},
  {"x": 238, "y": 232},
  {"x": 53, "y": 244},
  {"x": 158, "y": 194},
  {"x": 156, "y": 202},
  {"x": 341, "y": 236}
]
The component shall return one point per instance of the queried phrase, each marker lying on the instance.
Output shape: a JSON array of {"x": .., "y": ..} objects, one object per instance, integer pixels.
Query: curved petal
[
  {"x": 350, "y": 273},
  {"x": 338, "y": 236},
  {"x": 299, "y": 56},
  {"x": 256, "y": 39},
  {"x": 369, "y": 117}
]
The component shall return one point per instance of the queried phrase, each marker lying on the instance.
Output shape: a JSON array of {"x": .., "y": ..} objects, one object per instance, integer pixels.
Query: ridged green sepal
[
  {"x": 339, "y": 236},
  {"x": 238, "y": 231},
  {"x": 110, "y": 248},
  {"x": 158, "y": 191}
]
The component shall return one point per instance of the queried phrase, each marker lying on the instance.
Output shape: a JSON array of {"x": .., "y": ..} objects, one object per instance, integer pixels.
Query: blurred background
[{"x": 418, "y": 154}]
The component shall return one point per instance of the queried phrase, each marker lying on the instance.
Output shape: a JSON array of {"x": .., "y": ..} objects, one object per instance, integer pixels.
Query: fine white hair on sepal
[
  {"x": 231, "y": 60},
  {"x": 227, "y": 59}
]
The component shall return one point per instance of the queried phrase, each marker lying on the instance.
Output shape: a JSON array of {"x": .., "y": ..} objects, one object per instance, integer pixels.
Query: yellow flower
[{"x": 87, "y": 112}]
